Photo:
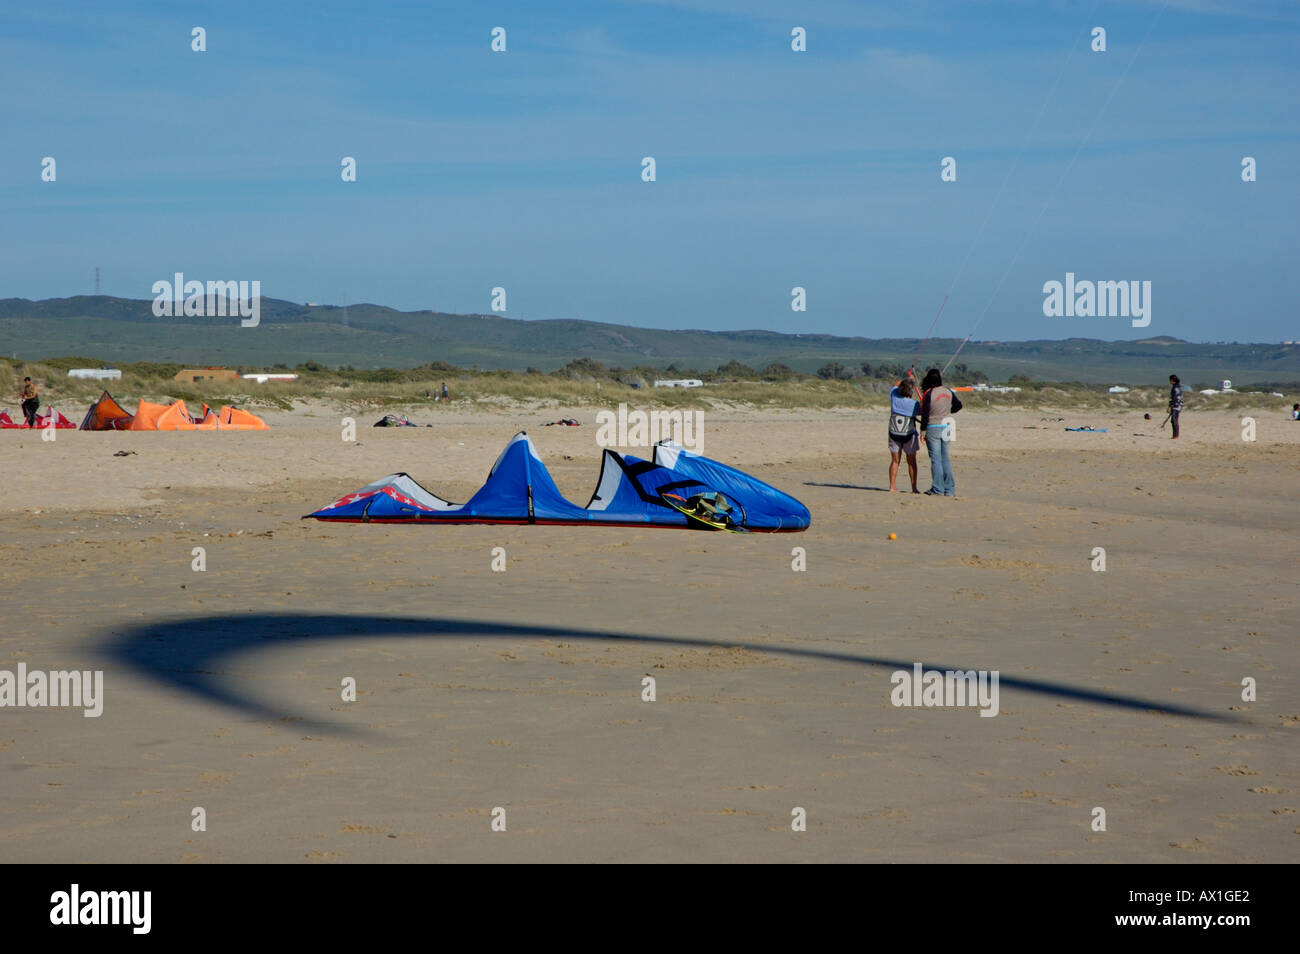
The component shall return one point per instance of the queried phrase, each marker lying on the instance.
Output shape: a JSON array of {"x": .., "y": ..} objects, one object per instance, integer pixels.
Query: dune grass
[{"x": 418, "y": 387}]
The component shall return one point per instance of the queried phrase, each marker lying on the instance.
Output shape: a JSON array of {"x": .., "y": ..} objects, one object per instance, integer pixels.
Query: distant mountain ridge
[{"x": 370, "y": 335}]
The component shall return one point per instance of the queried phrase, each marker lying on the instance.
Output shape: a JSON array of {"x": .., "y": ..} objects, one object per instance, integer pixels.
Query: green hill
[{"x": 373, "y": 336}]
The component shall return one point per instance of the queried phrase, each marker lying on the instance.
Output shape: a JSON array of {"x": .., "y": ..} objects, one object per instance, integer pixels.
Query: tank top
[{"x": 940, "y": 406}]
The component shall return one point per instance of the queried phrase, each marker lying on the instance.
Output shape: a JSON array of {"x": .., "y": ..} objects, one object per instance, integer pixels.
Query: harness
[{"x": 902, "y": 426}]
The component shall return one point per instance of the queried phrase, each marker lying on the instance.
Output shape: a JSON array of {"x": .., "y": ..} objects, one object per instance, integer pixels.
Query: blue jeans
[{"x": 941, "y": 481}]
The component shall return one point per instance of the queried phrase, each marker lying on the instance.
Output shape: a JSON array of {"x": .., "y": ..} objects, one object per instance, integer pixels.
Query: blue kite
[{"x": 677, "y": 489}]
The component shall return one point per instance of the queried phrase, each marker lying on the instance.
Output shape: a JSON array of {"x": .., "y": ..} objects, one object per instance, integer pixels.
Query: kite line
[{"x": 1059, "y": 182}]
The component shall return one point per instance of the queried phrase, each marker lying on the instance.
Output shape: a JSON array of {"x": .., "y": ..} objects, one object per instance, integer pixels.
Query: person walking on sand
[
  {"x": 903, "y": 437},
  {"x": 30, "y": 402},
  {"x": 1175, "y": 402},
  {"x": 937, "y": 404}
]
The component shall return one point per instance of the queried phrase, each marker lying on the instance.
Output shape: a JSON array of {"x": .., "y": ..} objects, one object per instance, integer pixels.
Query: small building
[
  {"x": 197, "y": 375},
  {"x": 96, "y": 374},
  {"x": 679, "y": 383}
]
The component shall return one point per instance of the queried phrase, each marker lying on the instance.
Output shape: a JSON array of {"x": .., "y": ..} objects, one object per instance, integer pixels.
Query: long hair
[
  {"x": 932, "y": 379},
  {"x": 1174, "y": 379}
]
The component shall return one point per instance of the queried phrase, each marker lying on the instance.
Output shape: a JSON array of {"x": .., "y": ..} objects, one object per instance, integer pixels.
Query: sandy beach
[{"x": 523, "y": 689}]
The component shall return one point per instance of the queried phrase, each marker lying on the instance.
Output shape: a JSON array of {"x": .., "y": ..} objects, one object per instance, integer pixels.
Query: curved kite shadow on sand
[{"x": 191, "y": 654}]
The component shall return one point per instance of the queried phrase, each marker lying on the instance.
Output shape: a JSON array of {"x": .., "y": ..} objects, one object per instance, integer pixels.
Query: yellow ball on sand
[{"x": 893, "y": 536}]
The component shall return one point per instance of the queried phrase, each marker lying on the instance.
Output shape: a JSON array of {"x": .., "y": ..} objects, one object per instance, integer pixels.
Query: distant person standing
[
  {"x": 30, "y": 402},
  {"x": 903, "y": 437},
  {"x": 938, "y": 403},
  {"x": 1295, "y": 412},
  {"x": 1175, "y": 402},
  {"x": 444, "y": 390}
]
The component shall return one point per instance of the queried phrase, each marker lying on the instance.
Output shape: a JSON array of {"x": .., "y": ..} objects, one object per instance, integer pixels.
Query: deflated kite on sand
[
  {"x": 107, "y": 415},
  {"x": 42, "y": 420},
  {"x": 630, "y": 493}
]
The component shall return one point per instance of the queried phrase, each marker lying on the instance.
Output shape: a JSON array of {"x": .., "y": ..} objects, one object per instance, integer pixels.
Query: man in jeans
[{"x": 937, "y": 404}]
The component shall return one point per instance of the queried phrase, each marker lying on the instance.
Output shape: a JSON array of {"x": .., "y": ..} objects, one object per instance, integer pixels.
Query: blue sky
[{"x": 775, "y": 168}]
